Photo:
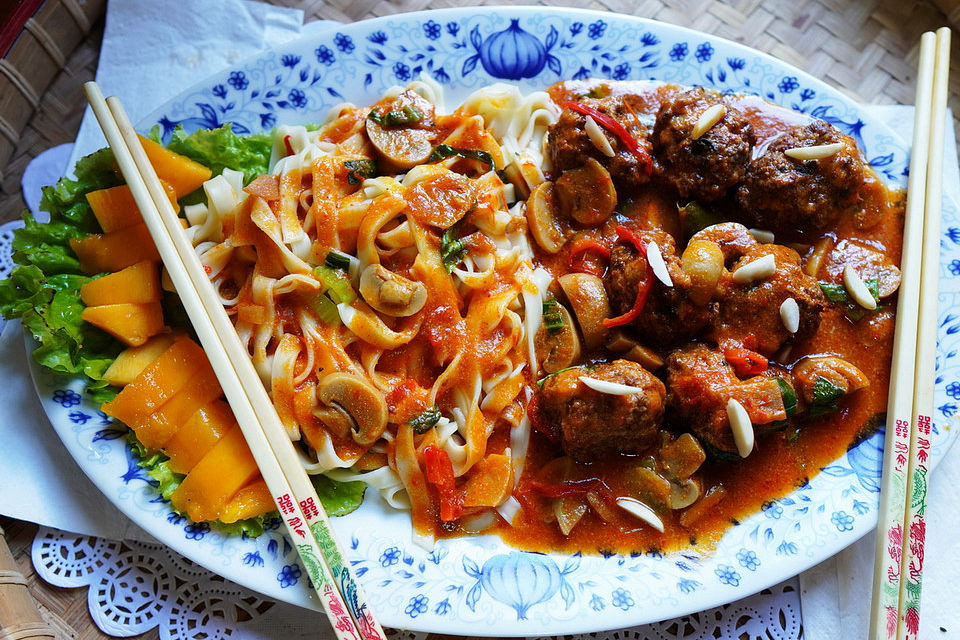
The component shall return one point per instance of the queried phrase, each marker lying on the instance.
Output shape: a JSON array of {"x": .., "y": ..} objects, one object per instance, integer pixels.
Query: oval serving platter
[{"x": 479, "y": 586}]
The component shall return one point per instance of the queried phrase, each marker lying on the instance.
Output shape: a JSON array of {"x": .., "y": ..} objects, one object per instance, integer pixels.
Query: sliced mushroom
[
  {"x": 702, "y": 260},
  {"x": 390, "y": 293},
  {"x": 683, "y": 494},
  {"x": 403, "y": 146},
  {"x": 542, "y": 219},
  {"x": 648, "y": 486},
  {"x": 588, "y": 298},
  {"x": 630, "y": 349},
  {"x": 560, "y": 349},
  {"x": 586, "y": 193},
  {"x": 683, "y": 456},
  {"x": 835, "y": 371},
  {"x": 351, "y": 400}
]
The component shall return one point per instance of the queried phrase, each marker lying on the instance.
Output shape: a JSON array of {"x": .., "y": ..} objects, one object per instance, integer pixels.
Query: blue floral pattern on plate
[{"x": 477, "y": 585}]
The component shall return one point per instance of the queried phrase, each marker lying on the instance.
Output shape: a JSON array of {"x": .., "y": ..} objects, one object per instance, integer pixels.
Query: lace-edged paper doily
[{"x": 136, "y": 586}]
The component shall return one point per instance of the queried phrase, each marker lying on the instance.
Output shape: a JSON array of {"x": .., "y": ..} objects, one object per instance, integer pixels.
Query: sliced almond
[
  {"x": 816, "y": 152},
  {"x": 707, "y": 119},
  {"x": 762, "y": 236},
  {"x": 790, "y": 315},
  {"x": 741, "y": 426},
  {"x": 598, "y": 137},
  {"x": 636, "y": 508},
  {"x": 858, "y": 288},
  {"x": 612, "y": 388},
  {"x": 756, "y": 270},
  {"x": 655, "y": 258}
]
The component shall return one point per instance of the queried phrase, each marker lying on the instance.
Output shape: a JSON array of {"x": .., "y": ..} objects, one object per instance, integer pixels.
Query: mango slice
[{"x": 131, "y": 323}]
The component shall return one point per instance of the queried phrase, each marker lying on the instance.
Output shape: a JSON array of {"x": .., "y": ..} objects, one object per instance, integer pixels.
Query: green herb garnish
[
  {"x": 444, "y": 151},
  {"x": 452, "y": 248},
  {"x": 395, "y": 118},
  {"x": 425, "y": 421},
  {"x": 837, "y": 293},
  {"x": 360, "y": 169},
  {"x": 825, "y": 396},
  {"x": 789, "y": 396},
  {"x": 552, "y": 318}
]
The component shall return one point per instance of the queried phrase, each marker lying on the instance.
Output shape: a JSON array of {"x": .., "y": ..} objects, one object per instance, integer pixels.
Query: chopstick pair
[
  {"x": 300, "y": 508},
  {"x": 899, "y": 553}
]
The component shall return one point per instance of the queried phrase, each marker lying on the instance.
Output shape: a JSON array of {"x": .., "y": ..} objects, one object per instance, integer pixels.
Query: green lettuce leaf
[
  {"x": 221, "y": 148},
  {"x": 338, "y": 498}
]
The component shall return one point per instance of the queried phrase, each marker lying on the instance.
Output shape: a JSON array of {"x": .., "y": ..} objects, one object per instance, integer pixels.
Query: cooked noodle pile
[{"x": 392, "y": 317}]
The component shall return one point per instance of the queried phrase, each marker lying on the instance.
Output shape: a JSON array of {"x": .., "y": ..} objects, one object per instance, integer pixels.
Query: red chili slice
[
  {"x": 617, "y": 129},
  {"x": 744, "y": 361},
  {"x": 440, "y": 475},
  {"x": 643, "y": 289},
  {"x": 286, "y": 142},
  {"x": 577, "y": 260}
]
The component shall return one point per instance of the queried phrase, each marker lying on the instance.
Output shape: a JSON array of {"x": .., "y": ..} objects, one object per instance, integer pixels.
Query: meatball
[
  {"x": 797, "y": 198},
  {"x": 751, "y": 310},
  {"x": 568, "y": 144},
  {"x": 700, "y": 382},
  {"x": 594, "y": 425},
  {"x": 704, "y": 168},
  {"x": 668, "y": 316}
]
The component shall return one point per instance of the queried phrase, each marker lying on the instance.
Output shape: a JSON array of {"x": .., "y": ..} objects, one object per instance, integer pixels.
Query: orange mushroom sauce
[{"x": 867, "y": 232}]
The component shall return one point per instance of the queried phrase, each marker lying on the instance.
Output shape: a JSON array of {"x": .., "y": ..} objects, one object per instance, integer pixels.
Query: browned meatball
[
  {"x": 700, "y": 382},
  {"x": 594, "y": 425},
  {"x": 753, "y": 308},
  {"x": 568, "y": 144},
  {"x": 706, "y": 167},
  {"x": 668, "y": 316},
  {"x": 801, "y": 197}
]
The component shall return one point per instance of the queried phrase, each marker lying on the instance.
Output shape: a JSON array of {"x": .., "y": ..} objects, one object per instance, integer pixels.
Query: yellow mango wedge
[
  {"x": 198, "y": 435},
  {"x": 115, "y": 209},
  {"x": 251, "y": 501},
  {"x": 110, "y": 252},
  {"x": 182, "y": 173},
  {"x": 216, "y": 479},
  {"x": 160, "y": 426},
  {"x": 131, "y": 323},
  {"x": 133, "y": 360},
  {"x": 137, "y": 283},
  {"x": 157, "y": 382}
]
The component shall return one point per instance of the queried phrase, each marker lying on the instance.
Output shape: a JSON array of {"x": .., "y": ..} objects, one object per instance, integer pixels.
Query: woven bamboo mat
[{"x": 867, "y": 48}]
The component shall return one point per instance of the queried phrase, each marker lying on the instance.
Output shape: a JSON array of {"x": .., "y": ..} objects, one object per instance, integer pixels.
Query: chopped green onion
[
  {"x": 337, "y": 260},
  {"x": 327, "y": 310},
  {"x": 789, "y": 396},
  {"x": 444, "y": 151},
  {"x": 552, "y": 318},
  {"x": 336, "y": 284},
  {"x": 360, "y": 169},
  {"x": 425, "y": 421},
  {"x": 452, "y": 249},
  {"x": 405, "y": 115}
]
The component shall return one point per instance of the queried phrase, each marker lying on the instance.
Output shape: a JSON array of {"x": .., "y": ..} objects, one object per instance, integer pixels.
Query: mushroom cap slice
[
  {"x": 352, "y": 396},
  {"x": 407, "y": 145},
  {"x": 588, "y": 297},
  {"x": 390, "y": 293},
  {"x": 560, "y": 349},
  {"x": 542, "y": 220},
  {"x": 586, "y": 193}
]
